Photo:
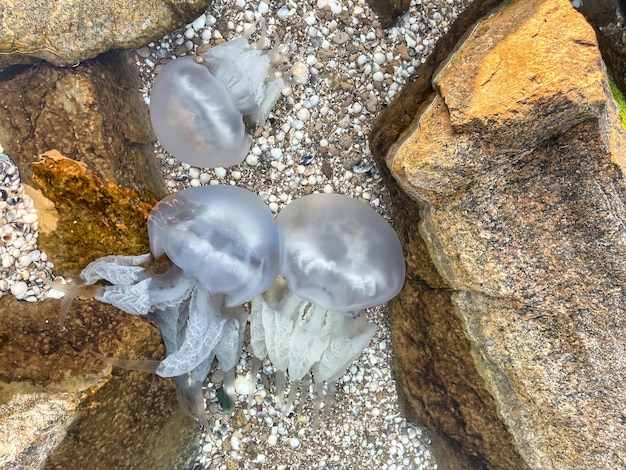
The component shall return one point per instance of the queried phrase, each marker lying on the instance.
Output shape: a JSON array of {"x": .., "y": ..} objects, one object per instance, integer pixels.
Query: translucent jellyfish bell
[
  {"x": 339, "y": 253},
  {"x": 194, "y": 118},
  {"x": 337, "y": 256},
  {"x": 223, "y": 236}
]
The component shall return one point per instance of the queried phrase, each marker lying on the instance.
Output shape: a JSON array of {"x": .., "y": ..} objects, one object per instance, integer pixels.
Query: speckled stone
[
  {"x": 66, "y": 32},
  {"x": 510, "y": 334}
]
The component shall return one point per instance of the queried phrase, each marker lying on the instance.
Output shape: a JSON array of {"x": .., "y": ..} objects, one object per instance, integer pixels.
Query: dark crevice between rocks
[{"x": 607, "y": 18}]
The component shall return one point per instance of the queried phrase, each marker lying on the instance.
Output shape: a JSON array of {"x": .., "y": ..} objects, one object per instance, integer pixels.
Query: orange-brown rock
[
  {"x": 65, "y": 32},
  {"x": 94, "y": 218},
  {"x": 91, "y": 113},
  {"x": 510, "y": 193}
]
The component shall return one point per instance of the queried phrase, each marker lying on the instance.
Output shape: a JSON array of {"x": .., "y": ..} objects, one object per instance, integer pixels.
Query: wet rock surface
[
  {"x": 94, "y": 218},
  {"x": 66, "y": 32},
  {"x": 61, "y": 407},
  {"x": 92, "y": 113},
  {"x": 510, "y": 201}
]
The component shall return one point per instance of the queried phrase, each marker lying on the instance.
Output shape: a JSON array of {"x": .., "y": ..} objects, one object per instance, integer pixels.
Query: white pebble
[
  {"x": 220, "y": 172},
  {"x": 272, "y": 440},
  {"x": 300, "y": 72},
  {"x": 263, "y": 8},
  {"x": 252, "y": 160},
  {"x": 283, "y": 12},
  {"x": 199, "y": 23},
  {"x": 378, "y": 76},
  {"x": 30, "y": 218},
  {"x": 24, "y": 260},
  {"x": 303, "y": 114},
  {"x": 294, "y": 443},
  {"x": 19, "y": 289},
  {"x": 194, "y": 172}
]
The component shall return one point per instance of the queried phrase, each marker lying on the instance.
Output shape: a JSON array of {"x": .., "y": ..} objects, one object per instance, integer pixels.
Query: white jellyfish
[
  {"x": 338, "y": 256},
  {"x": 221, "y": 249},
  {"x": 198, "y": 104}
]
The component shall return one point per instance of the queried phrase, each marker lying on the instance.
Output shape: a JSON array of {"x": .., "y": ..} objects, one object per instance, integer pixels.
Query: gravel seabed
[{"x": 345, "y": 68}]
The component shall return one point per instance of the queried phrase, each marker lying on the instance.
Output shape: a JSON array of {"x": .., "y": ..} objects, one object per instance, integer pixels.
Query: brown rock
[
  {"x": 92, "y": 113},
  {"x": 509, "y": 332},
  {"x": 62, "y": 408},
  {"x": 94, "y": 218},
  {"x": 65, "y": 32},
  {"x": 388, "y": 10}
]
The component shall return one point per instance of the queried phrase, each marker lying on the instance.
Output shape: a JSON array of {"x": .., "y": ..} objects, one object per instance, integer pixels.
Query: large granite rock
[
  {"x": 92, "y": 113},
  {"x": 509, "y": 187},
  {"x": 65, "y": 32}
]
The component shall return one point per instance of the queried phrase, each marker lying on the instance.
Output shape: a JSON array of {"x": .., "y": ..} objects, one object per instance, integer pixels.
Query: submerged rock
[
  {"x": 62, "y": 408},
  {"x": 93, "y": 113},
  {"x": 510, "y": 192}
]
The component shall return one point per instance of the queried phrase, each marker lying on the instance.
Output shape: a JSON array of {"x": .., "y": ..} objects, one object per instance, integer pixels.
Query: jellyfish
[
  {"x": 194, "y": 118},
  {"x": 337, "y": 257},
  {"x": 198, "y": 104},
  {"x": 212, "y": 249}
]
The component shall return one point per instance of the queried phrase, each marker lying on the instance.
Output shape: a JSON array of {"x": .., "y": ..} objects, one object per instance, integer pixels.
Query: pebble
[
  {"x": 23, "y": 264},
  {"x": 18, "y": 289},
  {"x": 300, "y": 72}
]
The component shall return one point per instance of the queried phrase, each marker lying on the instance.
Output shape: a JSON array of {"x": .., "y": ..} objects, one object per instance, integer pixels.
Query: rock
[
  {"x": 92, "y": 113},
  {"x": 54, "y": 395},
  {"x": 606, "y": 17},
  {"x": 62, "y": 408},
  {"x": 66, "y": 32},
  {"x": 388, "y": 11},
  {"x": 509, "y": 199},
  {"x": 94, "y": 219}
]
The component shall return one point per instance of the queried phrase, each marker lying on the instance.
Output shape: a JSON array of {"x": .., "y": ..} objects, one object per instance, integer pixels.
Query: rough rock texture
[
  {"x": 92, "y": 113},
  {"x": 60, "y": 407},
  {"x": 65, "y": 32},
  {"x": 77, "y": 196},
  {"x": 509, "y": 334}
]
